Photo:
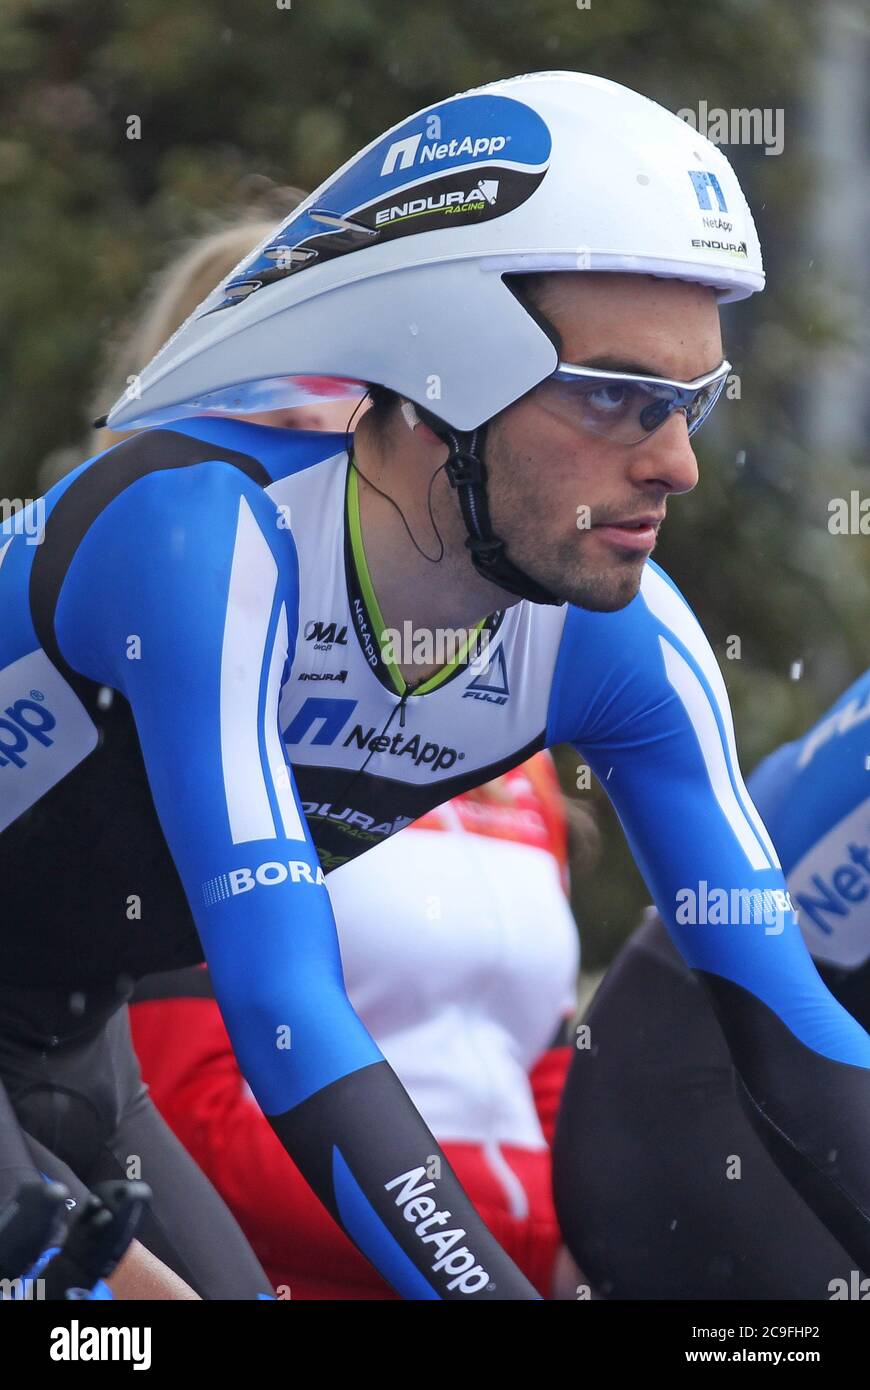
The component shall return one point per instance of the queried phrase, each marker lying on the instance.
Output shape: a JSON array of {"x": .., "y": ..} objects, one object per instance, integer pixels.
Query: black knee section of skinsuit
[
  {"x": 781, "y": 1081},
  {"x": 65, "y": 1122},
  {"x": 663, "y": 1187}
]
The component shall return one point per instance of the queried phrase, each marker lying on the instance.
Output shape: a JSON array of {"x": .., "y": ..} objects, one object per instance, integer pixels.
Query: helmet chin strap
[{"x": 466, "y": 473}]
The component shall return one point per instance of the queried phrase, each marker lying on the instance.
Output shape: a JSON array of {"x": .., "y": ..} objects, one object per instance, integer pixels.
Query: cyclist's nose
[{"x": 667, "y": 457}]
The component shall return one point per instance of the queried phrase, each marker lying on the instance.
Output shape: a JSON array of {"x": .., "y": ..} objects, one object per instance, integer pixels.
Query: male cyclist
[{"x": 240, "y": 590}]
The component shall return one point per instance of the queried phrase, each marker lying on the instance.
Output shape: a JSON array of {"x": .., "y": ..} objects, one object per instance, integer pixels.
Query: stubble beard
[
  {"x": 562, "y": 564},
  {"x": 597, "y": 587}
]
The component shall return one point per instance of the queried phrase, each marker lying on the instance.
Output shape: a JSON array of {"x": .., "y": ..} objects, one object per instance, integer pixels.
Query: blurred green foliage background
[{"x": 232, "y": 93}]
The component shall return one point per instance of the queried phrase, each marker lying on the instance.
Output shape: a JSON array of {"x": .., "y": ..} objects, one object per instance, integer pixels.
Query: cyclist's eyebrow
[{"x": 610, "y": 363}]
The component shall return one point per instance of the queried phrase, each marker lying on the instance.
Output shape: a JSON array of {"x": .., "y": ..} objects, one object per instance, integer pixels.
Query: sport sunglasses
[{"x": 627, "y": 408}]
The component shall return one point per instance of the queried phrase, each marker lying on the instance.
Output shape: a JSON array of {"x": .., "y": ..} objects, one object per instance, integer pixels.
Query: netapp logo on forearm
[{"x": 468, "y": 1276}]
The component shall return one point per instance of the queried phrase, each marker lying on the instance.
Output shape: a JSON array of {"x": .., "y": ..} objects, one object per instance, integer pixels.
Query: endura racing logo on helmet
[
  {"x": 450, "y": 204},
  {"x": 441, "y": 200},
  {"x": 491, "y": 152}
]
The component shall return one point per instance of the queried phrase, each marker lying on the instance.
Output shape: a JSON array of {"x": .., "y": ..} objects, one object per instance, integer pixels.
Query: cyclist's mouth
[{"x": 638, "y": 534}]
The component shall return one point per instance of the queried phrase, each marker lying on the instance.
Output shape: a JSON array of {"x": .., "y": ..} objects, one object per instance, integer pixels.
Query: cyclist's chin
[
  {"x": 608, "y": 593},
  {"x": 603, "y": 589}
]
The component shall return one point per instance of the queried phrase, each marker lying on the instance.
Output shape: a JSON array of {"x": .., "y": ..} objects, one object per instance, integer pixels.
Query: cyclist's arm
[
  {"x": 657, "y": 732},
  {"x": 197, "y": 567},
  {"x": 141, "y": 1276}
]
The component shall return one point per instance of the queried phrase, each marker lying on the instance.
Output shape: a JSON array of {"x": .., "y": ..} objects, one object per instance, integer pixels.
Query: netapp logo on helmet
[
  {"x": 469, "y": 129},
  {"x": 24, "y": 722},
  {"x": 403, "y": 154},
  {"x": 707, "y": 187}
]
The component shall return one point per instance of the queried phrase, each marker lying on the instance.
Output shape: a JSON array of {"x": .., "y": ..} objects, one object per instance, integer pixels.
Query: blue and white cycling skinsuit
[{"x": 207, "y": 572}]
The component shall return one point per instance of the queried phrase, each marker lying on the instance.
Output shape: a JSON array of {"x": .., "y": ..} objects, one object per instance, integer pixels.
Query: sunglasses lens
[
  {"x": 702, "y": 403},
  {"x": 655, "y": 414},
  {"x": 607, "y": 407},
  {"x": 625, "y": 412},
  {"x": 618, "y": 410}
]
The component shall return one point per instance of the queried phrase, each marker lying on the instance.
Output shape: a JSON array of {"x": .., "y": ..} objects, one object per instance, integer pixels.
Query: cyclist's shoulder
[
  {"x": 193, "y": 458},
  {"x": 162, "y": 506},
  {"x": 658, "y": 609},
  {"x": 267, "y": 453},
  {"x": 186, "y": 474},
  {"x": 622, "y": 664}
]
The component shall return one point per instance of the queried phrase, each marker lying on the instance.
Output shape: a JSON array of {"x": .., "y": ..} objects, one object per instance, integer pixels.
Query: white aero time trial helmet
[{"x": 391, "y": 272}]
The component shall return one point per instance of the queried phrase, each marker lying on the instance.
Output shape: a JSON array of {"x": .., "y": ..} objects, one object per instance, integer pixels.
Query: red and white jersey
[{"x": 461, "y": 956}]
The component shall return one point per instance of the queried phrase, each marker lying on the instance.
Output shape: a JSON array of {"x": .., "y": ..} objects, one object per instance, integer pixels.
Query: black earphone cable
[{"x": 348, "y": 443}]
